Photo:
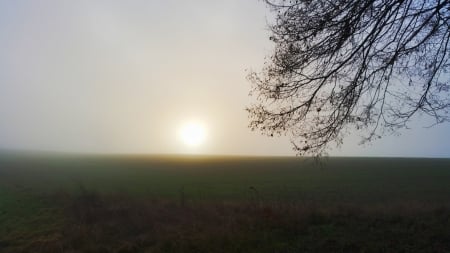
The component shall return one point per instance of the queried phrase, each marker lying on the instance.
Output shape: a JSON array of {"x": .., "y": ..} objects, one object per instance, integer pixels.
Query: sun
[{"x": 193, "y": 134}]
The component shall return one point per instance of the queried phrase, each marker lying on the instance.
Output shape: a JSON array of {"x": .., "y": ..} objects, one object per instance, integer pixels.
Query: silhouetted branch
[{"x": 365, "y": 64}]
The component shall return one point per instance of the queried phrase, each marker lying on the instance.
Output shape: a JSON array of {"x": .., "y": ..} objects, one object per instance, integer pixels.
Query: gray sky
[{"x": 125, "y": 76}]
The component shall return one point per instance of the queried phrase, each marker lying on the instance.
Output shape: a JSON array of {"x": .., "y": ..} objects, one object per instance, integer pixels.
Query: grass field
[{"x": 94, "y": 203}]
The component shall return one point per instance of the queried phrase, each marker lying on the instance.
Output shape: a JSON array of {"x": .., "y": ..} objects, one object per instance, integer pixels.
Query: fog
[{"x": 123, "y": 76}]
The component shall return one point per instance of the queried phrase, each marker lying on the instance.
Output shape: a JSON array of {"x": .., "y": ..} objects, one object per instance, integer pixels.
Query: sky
[{"x": 126, "y": 76}]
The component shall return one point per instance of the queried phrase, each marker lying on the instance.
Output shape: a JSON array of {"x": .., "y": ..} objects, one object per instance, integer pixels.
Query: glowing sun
[{"x": 193, "y": 134}]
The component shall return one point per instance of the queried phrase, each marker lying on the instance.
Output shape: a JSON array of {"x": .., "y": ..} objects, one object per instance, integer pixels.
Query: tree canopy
[{"x": 346, "y": 65}]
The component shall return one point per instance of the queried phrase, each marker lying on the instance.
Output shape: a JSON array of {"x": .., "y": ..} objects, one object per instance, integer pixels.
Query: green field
[{"x": 95, "y": 203}]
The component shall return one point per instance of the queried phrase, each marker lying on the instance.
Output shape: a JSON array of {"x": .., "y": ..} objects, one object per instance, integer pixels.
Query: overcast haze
[{"x": 124, "y": 76}]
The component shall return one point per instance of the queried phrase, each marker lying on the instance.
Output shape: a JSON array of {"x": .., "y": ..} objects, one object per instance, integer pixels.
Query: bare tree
[{"x": 347, "y": 65}]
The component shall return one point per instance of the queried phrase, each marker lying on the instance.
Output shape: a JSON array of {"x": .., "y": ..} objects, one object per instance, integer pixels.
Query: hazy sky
[{"x": 124, "y": 76}]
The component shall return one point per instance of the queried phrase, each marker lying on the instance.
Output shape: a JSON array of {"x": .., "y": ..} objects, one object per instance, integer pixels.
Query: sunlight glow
[{"x": 193, "y": 134}]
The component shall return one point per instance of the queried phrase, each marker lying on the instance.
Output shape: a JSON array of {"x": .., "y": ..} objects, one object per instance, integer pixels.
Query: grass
[{"x": 86, "y": 203}]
